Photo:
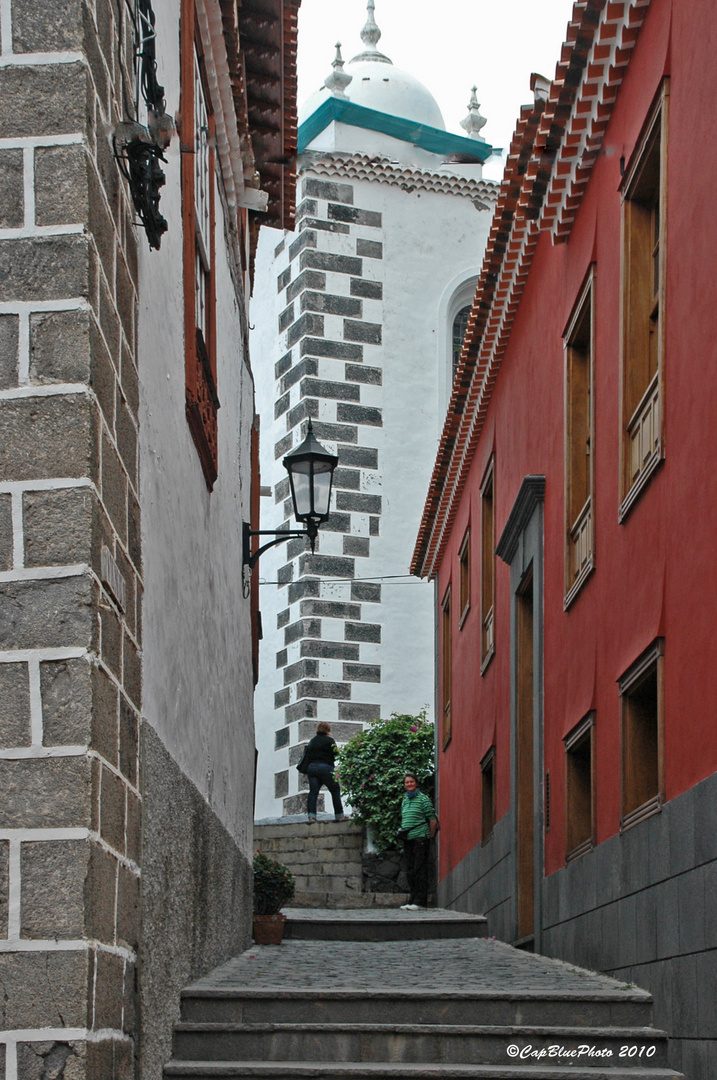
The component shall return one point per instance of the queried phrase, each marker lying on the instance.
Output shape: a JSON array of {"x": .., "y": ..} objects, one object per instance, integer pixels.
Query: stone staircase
[
  {"x": 460, "y": 1007},
  {"x": 326, "y": 861}
]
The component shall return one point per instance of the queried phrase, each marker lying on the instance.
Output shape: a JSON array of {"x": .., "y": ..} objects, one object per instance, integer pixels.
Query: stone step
[
  {"x": 597, "y": 1009},
  {"x": 384, "y": 924},
  {"x": 415, "y": 1044},
  {"x": 329, "y": 846},
  {"x": 306, "y": 898},
  {"x": 328, "y": 1070},
  {"x": 319, "y": 829}
]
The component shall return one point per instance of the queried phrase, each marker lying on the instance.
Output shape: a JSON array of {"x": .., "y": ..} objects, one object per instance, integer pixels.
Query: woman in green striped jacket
[{"x": 418, "y": 827}]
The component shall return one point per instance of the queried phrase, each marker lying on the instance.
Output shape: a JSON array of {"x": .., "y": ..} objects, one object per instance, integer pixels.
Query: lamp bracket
[{"x": 250, "y": 558}]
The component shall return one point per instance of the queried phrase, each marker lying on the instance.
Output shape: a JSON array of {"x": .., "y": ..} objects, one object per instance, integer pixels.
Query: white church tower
[{"x": 360, "y": 313}]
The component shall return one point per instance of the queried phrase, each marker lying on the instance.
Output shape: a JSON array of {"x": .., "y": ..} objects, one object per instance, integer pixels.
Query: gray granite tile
[
  {"x": 658, "y": 846},
  {"x": 667, "y": 918},
  {"x": 657, "y": 978},
  {"x": 627, "y": 930},
  {"x": 711, "y": 905},
  {"x": 607, "y": 874},
  {"x": 705, "y": 799},
  {"x": 691, "y": 910},
  {"x": 610, "y": 936},
  {"x": 634, "y": 862},
  {"x": 684, "y": 997},
  {"x": 706, "y": 967},
  {"x": 550, "y": 899},
  {"x": 645, "y": 926},
  {"x": 682, "y": 834}
]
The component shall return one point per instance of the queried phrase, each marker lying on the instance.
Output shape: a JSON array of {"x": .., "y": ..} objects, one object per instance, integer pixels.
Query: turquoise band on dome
[{"x": 428, "y": 138}]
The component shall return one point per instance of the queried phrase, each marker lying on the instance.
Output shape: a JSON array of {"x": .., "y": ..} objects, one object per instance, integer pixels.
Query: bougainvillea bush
[
  {"x": 273, "y": 885},
  {"x": 371, "y": 766}
]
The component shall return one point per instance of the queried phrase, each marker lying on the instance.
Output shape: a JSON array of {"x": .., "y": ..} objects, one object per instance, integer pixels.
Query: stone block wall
[{"x": 70, "y": 558}]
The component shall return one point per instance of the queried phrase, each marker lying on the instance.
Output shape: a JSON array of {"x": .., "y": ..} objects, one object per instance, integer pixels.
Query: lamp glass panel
[
  {"x": 322, "y": 489},
  {"x": 301, "y": 483}
]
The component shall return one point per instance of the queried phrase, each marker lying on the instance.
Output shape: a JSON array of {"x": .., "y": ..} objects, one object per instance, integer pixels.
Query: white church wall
[{"x": 397, "y": 390}]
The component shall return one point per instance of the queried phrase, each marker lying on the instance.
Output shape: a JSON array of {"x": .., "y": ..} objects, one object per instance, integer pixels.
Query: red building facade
[{"x": 570, "y": 528}]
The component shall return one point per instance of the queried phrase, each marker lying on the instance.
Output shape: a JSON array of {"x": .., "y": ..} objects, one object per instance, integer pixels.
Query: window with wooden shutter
[
  {"x": 197, "y": 131},
  {"x": 580, "y": 789},
  {"x": 642, "y": 713},
  {"x": 464, "y": 564},
  {"x": 579, "y": 444},
  {"x": 446, "y": 666},
  {"x": 487, "y": 768},
  {"x": 643, "y": 307},
  {"x": 488, "y": 566}
]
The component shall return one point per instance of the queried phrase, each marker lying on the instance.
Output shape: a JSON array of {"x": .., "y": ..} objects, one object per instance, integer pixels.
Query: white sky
[{"x": 450, "y": 45}]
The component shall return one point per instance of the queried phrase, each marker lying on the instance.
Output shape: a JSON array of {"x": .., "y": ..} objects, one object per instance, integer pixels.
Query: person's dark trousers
[
  {"x": 319, "y": 774},
  {"x": 417, "y": 870}
]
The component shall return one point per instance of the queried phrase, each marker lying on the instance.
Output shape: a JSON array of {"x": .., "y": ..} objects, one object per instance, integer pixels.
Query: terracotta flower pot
[{"x": 268, "y": 929}]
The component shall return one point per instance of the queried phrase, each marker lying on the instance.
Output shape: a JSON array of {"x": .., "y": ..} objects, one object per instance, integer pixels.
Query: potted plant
[{"x": 273, "y": 887}]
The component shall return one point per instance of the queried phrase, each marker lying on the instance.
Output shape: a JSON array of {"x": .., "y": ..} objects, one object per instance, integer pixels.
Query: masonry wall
[
  {"x": 70, "y": 556},
  {"x": 359, "y": 330},
  {"x": 197, "y": 744}
]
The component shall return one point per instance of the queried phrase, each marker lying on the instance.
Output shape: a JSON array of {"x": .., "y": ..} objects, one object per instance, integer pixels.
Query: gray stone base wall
[
  {"x": 483, "y": 882},
  {"x": 642, "y": 906},
  {"x": 195, "y": 897}
]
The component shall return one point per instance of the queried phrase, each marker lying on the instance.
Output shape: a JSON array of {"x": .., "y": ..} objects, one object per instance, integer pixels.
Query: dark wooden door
[{"x": 525, "y": 697}]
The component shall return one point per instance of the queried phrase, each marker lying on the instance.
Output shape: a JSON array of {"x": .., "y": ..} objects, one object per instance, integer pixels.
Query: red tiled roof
[{"x": 555, "y": 145}]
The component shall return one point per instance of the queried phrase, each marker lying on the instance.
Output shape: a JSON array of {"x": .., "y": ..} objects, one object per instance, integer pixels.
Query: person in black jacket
[{"x": 320, "y": 754}]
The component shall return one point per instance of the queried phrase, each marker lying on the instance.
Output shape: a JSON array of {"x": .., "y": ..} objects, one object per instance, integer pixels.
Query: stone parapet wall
[
  {"x": 70, "y": 556},
  {"x": 196, "y": 897}
]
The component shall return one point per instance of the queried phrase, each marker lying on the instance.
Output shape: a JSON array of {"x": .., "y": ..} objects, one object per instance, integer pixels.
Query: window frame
[
  {"x": 580, "y": 531},
  {"x": 487, "y": 577},
  {"x": 634, "y": 678},
  {"x": 201, "y": 400},
  {"x": 583, "y": 732},
  {"x": 487, "y": 765},
  {"x": 642, "y": 413},
  {"x": 464, "y": 578},
  {"x": 446, "y": 668}
]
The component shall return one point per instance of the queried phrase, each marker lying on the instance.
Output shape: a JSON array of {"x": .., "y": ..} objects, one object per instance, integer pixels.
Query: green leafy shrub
[
  {"x": 371, "y": 766},
  {"x": 273, "y": 885}
]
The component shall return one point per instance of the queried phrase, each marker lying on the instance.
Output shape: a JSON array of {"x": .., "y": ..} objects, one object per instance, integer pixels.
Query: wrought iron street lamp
[{"x": 311, "y": 473}]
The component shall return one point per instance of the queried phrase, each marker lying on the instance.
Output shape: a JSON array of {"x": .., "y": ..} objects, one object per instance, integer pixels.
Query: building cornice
[
  {"x": 556, "y": 143},
  {"x": 382, "y": 170},
  {"x": 426, "y": 137}
]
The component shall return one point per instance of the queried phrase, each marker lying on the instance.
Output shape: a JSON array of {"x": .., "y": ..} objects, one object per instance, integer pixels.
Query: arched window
[{"x": 460, "y": 323}]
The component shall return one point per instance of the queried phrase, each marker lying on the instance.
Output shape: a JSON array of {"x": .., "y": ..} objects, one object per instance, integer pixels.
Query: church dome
[
  {"x": 372, "y": 81},
  {"x": 389, "y": 90}
]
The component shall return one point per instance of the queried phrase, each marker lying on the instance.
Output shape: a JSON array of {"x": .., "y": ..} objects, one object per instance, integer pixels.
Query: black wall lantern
[
  {"x": 311, "y": 473},
  {"x": 139, "y": 149}
]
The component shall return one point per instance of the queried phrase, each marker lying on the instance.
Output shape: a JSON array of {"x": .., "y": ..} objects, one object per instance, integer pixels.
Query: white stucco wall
[
  {"x": 433, "y": 244},
  {"x": 196, "y": 624}
]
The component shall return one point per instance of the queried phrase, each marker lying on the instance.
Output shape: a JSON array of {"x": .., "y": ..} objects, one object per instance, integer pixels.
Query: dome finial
[
  {"x": 339, "y": 79},
  {"x": 370, "y": 36},
  {"x": 474, "y": 121}
]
